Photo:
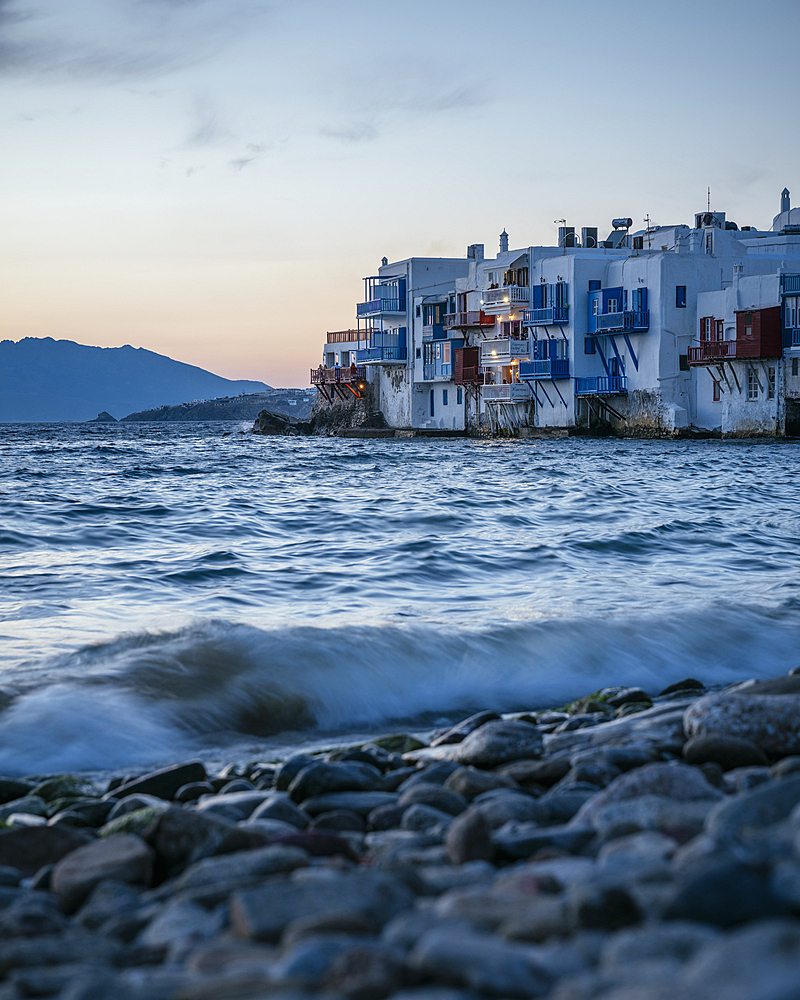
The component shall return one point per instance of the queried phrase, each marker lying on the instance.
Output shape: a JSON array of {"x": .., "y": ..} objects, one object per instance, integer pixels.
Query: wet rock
[
  {"x": 350, "y": 924},
  {"x": 675, "y": 940},
  {"x": 124, "y": 859},
  {"x": 237, "y": 785},
  {"x": 135, "y": 822},
  {"x": 290, "y": 768},
  {"x": 321, "y": 778},
  {"x": 360, "y": 802},
  {"x": 30, "y": 850},
  {"x": 424, "y": 818},
  {"x": 595, "y": 772},
  {"x": 436, "y": 796},
  {"x": 725, "y": 893},
  {"x": 499, "y": 743},
  {"x": 398, "y": 743},
  {"x": 431, "y": 774},
  {"x": 27, "y": 820},
  {"x": 471, "y": 781},
  {"x": 180, "y": 837},
  {"x": 582, "y": 720},
  {"x": 193, "y": 790},
  {"x": 64, "y": 786},
  {"x": 393, "y": 780},
  {"x": 459, "y": 732},
  {"x": 108, "y": 899},
  {"x": 339, "y": 819},
  {"x": 758, "y": 962},
  {"x": 544, "y": 772},
  {"x": 233, "y": 806},
  {"x": 522, "y": 840},
  {"x": 261, "y": 914},
  {"x": 132, "y": 803},
  {"x": 31, "y": 804},
  {"x": 726, "y": 751},
  {"x": 231, "y": 871},
  {"x": 279, "y": 806},
  {"x": 753, "y": 810},
  {"x": 766, "y": 713},
  {"x": 480, "y": 962},
  {"x": 32, "y": 915},
  {"x": 163, "y": 783},
  {"x": 365, "y": 972},
  {"x": 385, "y": 817},
  {"x": 628, "y": 696},
  {"x": 469, "y": 838},
  {"x": 11, "y": 788},
  {"x": 688, "y": 684},
  {"x": 504, "y": 807},
  {"x": 661, "y": 726},
  {"x": 320, "y": 843}
]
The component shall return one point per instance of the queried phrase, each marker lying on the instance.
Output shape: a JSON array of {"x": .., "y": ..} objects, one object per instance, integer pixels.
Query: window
[
  {"x": 709, "y": 242},
  {"x": 792, "y": 307},
  {"x": 589, "y": 346},
  {"x": 752, "y": 386},
  {"x": 720, "y": 329},
  {"x": 706, "y": 326},
  {"x": 594, "y": 286},
  {"x": 419, "y": 352},
  {"x": 680, "y": 296},
  {"x": 595, "y": 307},
  {"x": 770, "y": 383},
  {"x": 432, "y": 402},
  {"x": 794, "y": 367},
  {"x": 444, "y": 397},
  {"x": 612, "y": 305},
  {"x": 717, "y": 391},
  {"x": 459, "y": 395},
  {"x": 418, "y": 312},
  {"x": 683, "y": 362}
]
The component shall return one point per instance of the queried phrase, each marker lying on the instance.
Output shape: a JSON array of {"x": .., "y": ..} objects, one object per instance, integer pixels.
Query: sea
[{"x": 172, "y": 590}]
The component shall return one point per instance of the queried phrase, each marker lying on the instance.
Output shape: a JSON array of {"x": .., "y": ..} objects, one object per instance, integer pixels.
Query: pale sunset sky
[{"x": 211, "y": 179}]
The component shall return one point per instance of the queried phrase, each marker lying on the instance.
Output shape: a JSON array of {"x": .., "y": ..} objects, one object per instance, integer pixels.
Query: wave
[{"x": 151, "y": 695}]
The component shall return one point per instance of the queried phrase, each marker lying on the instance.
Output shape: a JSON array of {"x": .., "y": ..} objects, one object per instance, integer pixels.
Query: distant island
[
  {"x": 295, "y": 403},
  {"x": 46, "y": 379}
]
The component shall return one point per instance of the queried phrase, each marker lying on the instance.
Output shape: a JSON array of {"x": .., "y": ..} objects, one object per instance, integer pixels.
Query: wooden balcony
[
  {"x": 467, "y": 319},
  {"x": 711, "y": 351},
  {"x": 342, "y": 337}
]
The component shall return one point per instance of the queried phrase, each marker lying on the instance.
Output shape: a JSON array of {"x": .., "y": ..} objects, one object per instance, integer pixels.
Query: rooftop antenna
[
  {"x": 709, "y": 199},
  {"x": 647, "y": 221}
]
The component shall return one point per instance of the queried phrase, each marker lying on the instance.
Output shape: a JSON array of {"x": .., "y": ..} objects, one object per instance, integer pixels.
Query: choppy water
[{"x": 168, "y": 589}]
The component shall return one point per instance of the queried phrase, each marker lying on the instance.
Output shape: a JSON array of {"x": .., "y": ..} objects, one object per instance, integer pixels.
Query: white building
[{"x": 590, "y": 332}]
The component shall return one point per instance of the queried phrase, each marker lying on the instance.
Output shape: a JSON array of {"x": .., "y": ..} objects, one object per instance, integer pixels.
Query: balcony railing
[
  {"x": 629, "y": 321},
  {"x": 503, "y": 350},
  {"x": 516, "y": 392},
  {"x": 346, "y": 375},
  {"x": 601, "y": 385},
  {"x": 548, "y": 368},
  {"x": 507, "y": 295},
  {"x": 711, "y": 350},
  {"x": 444, "y": 374},
  {"x": 477, "y": 318},
  {"x": 545, "y": 317},
  {"x": 791, "y": 284},
  {"x": 434, "y": 331},
  {"x": 393, "y": 305},
  {"x": 343, "y": 337},
  {"x": 795, "y": 338}
]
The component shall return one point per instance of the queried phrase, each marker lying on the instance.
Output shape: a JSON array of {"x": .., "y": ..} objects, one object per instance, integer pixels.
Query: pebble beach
[{"x": 631, "y": 845}]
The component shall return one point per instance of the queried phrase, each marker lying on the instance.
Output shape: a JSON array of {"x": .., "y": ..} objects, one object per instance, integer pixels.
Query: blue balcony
[
  {"x": 630, "y": 321},
  {"x": 442, "y": 372},
  {"x": 790, "y": 284},
  {"x": 384, "y": 348},
  {"x": 795, "y": 338},
  {"x": 602, "y": 385},
  {"x": 434, "y": 331},
  {"x": 378, "y": 306},
  {"x": 546, "y": 316},
  {"x": 547, "y": 368}
]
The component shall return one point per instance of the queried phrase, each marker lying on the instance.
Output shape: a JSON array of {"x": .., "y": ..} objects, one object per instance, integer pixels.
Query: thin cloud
[
  {"x": 116, "y": 40},
  {"x": 359, "y": 132}
]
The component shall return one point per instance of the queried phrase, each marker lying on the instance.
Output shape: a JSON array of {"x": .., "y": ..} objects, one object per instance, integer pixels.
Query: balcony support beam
[
  {"x": 603, "y": 357},
  {"x": 549, "y": 400},
  {"x": 630, "y": 348},
  {"x": 555, "y": 386}
]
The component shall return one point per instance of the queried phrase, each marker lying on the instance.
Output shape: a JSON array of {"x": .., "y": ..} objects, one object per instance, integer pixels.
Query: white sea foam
[{"x": 148, "y": 696}]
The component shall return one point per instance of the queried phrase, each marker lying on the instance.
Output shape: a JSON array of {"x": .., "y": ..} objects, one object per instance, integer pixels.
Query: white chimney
[{"x": 504, "y": 242}]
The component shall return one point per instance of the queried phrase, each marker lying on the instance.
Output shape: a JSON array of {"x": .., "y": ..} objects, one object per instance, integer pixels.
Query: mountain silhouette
[{"x": 46, "y": 379}]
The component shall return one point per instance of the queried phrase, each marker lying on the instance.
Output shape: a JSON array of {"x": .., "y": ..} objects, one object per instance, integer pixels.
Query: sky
[{"x": 211, "y": 179}]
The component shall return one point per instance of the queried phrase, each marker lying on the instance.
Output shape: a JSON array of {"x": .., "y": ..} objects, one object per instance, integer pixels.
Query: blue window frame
[
  {"x": 459, "y": 395},
  {"x": 589, "y": 346},
  {"x": 432, "y": 412},
  {"x": 594, "y": 286},
  {"x": 444, "y": 397},
  {"x": 680, "y": 296}
]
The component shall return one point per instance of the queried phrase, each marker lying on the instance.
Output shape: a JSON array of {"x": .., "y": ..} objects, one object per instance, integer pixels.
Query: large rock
[
  {"x": 272, "y": 422},
  {"x": 726, "y": 751},
  {"x": 462, "y": 729},
  {"x": 435, "y": 796},
  {"x": 28, "y": 850},
  {"x": 232, "y": 871},
  {"x": 181, "y": 837},
  {"x": 499, "y": 742},
  {"x": 359, "y": 802},
  {"x": 754, "y": 810},
  {"x": 320, "y": 778},
  {"x": 480, "y": 962},
  {"x": 233, "y": 806},
  {"x": 279, "y": 806},
  {"x": 766, "y": 713},
  {"x": 262, "y": 913},
  {"x": 163, "y": 783},
  {"x": 124, "y": 859},
  {"x": 469, "y": 838}
]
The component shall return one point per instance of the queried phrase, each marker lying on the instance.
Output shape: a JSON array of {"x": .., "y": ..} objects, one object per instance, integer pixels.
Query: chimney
[
  {"x": 475, "y": 252},
  {"x": 785, "y": 206},
  {"x": 738, "y": 270},
  {"x": 504, "y": 242}
]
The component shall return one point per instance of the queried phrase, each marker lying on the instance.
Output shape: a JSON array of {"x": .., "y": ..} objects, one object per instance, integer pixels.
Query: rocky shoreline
[{"x": 624, "y": 847}]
